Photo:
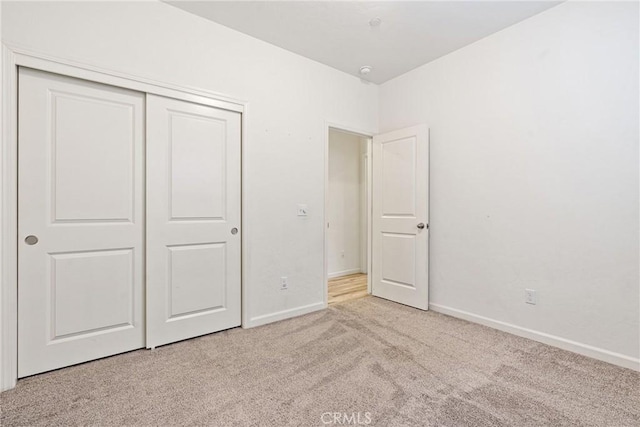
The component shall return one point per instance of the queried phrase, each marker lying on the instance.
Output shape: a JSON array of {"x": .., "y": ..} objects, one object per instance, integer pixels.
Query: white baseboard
[
  {"x": 552, "y": 340},
  {"x": 343, "y": 273},
  {"x": 284, "y": 314}
]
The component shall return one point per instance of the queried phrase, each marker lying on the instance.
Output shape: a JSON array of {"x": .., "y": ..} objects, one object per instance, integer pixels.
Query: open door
[{"x": 400, "y": 229}]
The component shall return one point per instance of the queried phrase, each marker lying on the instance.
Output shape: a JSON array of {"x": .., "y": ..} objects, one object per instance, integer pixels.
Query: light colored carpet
[{"x": 400, "y": 365}]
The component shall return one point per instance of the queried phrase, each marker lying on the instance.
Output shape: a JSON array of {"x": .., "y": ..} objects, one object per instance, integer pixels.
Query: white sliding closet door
[
  {"x": 80, "y": 221},
  {"x": 193, "y": 220}
]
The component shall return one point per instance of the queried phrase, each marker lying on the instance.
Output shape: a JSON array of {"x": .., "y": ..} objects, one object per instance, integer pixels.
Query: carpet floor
[{"x": 369, "y": 361}]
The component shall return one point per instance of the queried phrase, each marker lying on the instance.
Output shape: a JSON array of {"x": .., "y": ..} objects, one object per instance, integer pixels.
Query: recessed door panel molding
[
  {"x": 399, "y": 177},
  {"x": 193, "y": 204},
  {"x": 400, "y": 232},
  {"x": 197, "y": 279},
  {"x": 80, "y": 221},
  {"x": 399, "y": 259},
  {"x": 92, "y": 161},
  {"x": 91, "y": 291},
  {"x": 198, "y": 166}
]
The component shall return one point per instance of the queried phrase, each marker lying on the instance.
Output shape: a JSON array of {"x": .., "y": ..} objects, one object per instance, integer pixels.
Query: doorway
[
  {"x": 348, "y": 219},
  {"x": 395, "y": 173}
]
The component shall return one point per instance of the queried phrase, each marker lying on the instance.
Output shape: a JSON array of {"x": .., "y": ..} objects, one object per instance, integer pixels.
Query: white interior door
[
  {"x": 80, "y": 221},
  {"x": 400, "y": 234},
  {"x": 193, "y": 220}
]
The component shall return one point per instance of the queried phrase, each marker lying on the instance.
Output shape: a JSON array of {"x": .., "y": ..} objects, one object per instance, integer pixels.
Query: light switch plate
[{"x": 530, "y": 296}]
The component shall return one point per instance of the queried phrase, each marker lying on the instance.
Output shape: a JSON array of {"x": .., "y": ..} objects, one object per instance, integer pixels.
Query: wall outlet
[
  {"x": 530, "y": 296},
  {"x": 284, "y": 285}
]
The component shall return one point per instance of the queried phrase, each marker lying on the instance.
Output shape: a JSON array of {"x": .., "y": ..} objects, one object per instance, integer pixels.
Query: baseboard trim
[
  {"x": 344, "y": 273},
  {"x": 284, "y": 314},
  {"x": 552, "y": 340}
]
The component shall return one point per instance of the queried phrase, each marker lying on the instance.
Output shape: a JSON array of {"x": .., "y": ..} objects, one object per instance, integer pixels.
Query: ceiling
[{"x": 339, "y": 34}]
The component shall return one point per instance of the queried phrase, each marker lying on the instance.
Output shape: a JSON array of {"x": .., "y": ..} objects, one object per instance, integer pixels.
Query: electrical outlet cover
[{"x": 530, "y": 296}]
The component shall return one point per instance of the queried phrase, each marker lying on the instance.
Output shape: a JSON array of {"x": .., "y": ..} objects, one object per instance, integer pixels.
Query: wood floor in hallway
[{"x": 347, "y": 288}]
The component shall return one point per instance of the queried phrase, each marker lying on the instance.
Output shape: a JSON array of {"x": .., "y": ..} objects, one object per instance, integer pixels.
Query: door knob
[
  {"x": 234, "y": 230},
  {"x": 421, "y": 225},
  {"x": 31, "y": 240}
]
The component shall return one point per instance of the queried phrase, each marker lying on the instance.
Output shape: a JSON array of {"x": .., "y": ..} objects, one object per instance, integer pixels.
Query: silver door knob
[
  {"x": 234, "y": 230},
  {"x": 421, "y": 225},
  {"x": 31, "y": 240}
]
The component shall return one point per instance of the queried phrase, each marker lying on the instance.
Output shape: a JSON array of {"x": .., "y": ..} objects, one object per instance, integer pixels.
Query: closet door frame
[{"x": 14, "y": 57}]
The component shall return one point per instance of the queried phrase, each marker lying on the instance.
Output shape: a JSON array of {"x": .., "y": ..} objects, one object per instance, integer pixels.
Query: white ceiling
[{"x": 338, "y": 34}]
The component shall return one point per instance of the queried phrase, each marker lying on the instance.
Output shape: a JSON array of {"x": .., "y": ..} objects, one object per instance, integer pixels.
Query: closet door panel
[
  {"x": 80, "y": 221},
  {"x": 193, "y": 211}
]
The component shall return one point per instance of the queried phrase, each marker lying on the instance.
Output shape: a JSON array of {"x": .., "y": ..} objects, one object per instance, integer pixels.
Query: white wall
[
  {"x": 534, "y": 153},
  {"x": 344, "y": 195},
  {"x": 534, "y": 175},
  {"x": 290, "y": 99}
]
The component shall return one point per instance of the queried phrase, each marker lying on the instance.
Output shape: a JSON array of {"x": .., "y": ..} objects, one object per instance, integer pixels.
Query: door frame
[
  {"x": 14, "y": 57},
  {"x": 365, "y": 134}
]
